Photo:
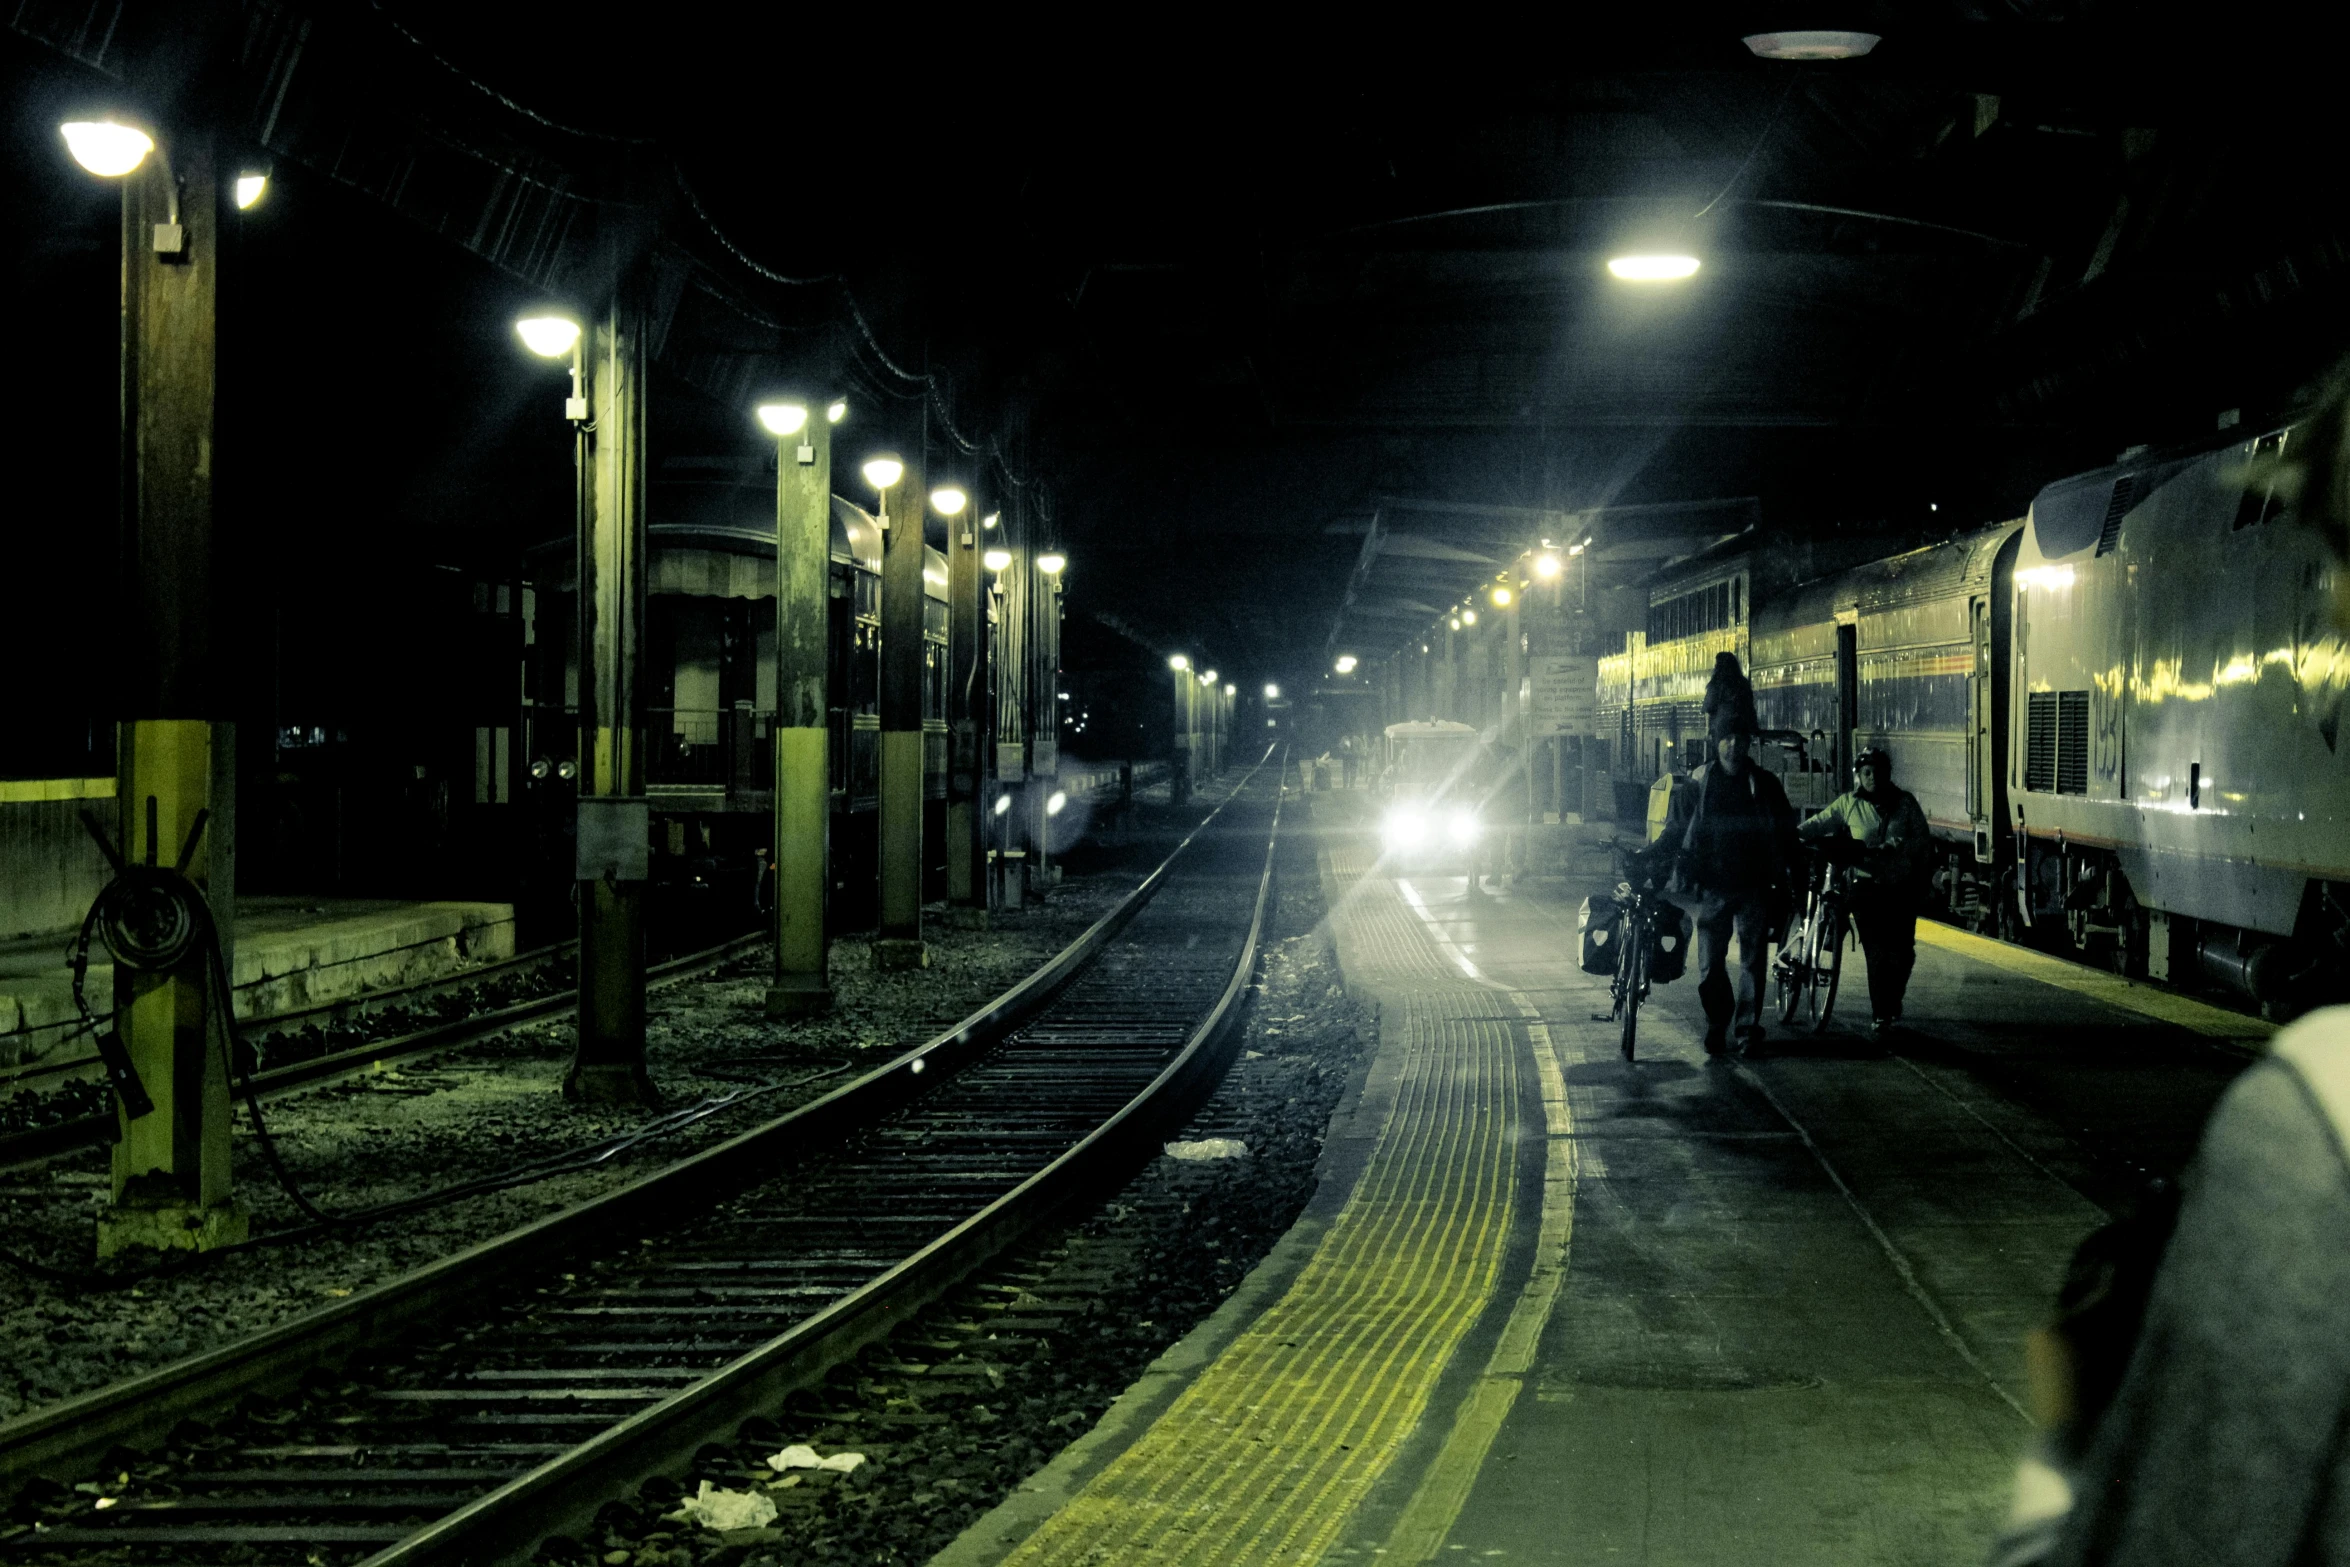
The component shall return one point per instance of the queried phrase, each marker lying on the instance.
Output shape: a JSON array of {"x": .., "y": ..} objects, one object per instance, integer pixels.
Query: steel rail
[
  {"x": 65, "y": 1438},
  {"x": 44, "y": 1142},
  {"x": 562, "y": 1494}
]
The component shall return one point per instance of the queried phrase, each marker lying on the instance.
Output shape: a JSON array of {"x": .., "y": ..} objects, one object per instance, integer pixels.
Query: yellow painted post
[
  {"x": 803, "y": 760},
  {"x": 170, "y": 1179}
]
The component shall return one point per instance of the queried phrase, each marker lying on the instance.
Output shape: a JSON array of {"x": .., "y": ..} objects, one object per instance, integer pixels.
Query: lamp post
[
  {"x": 898, "y": 942},
  {"x": 1044, "y": 743},
  {"x": 175, "y": 786},
  {"x": 802, "y": 790},
  {"x": 1179, "y": 770},
  {"x": 967, "y": 721}
]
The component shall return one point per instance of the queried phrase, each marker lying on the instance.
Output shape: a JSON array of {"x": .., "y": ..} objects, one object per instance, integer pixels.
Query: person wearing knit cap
[{"x": 1733, "y": 835}]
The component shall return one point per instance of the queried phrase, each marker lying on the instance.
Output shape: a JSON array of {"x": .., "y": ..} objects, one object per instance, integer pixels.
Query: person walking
[
  {"x": 1882, "y": 823},
  {"x": 1732, "y": 834},
  {"x": 1729, "y": 695}
]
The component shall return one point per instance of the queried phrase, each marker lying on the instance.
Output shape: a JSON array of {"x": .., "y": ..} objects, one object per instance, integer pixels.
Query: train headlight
[
  {"x": 1406, "y": 826},
  {"x": 1464, "y": 827}
]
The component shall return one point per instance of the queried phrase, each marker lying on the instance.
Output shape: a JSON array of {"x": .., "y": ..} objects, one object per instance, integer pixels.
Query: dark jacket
[
  {"x": 1729, "y": 704},
  {"x": 1736, "y": 836}
]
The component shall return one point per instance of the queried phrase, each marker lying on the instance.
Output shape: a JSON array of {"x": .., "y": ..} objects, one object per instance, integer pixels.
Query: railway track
[
  {"x": 43, "y": 1142},
  {"x": 623, "y": 1337}
]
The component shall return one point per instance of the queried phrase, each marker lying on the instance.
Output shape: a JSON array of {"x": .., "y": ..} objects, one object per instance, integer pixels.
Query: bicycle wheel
[
  {"x": 1632, "y": 974},
  {"x": 1828, "y": 967},
  {"x": 1793, "y": 969}
]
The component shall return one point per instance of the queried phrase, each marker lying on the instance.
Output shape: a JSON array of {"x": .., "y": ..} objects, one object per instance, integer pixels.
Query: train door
[
  {"x": 1847, "y": 698},
  {"x": 1978, "y": 733}
]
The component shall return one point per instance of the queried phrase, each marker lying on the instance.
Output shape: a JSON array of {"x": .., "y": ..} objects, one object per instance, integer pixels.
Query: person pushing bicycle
[
  {"x": 1733, "y": 835},
  {"x": 1882, "y": 823}
]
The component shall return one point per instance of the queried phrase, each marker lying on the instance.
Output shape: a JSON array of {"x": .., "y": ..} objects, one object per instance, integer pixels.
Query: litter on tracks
[
  {"x": 1209, "y": 1148},
  {"x": 798, "y": 1457},
  {"x": 713, "y": 1508}
]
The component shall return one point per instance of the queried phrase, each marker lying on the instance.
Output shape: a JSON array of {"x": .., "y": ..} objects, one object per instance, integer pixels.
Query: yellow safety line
[
  {"x": 2096, "y": 984},
  {"x": 28, "y": 791},
  {"x": 1266, "y": 1455},
  {"x": 1419, "y": 1534}
]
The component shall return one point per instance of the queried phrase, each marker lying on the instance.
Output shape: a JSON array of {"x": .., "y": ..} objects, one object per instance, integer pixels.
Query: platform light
[
  {"x": 250, "y": 188},
  {"x": 1547, "y": 566},
  {"x": 1272, "y": 693},
  {"x": 996, "y": 560},
  {"x": 1455, "y": 622},
  {"x": 1501, "y": 598},
  {"x": 1574, "y": 549},
  {"x": 1053, "y": 805},
  {"x": 1653, "y": 269},
  {"x": 991, "y": 519},
  {"x": 1207, "y": 678},
  {"x": 882, "y": 472},
  {"x": 549, "y": 337},
  {"x": 836, "y": 410},
  {"x": 1003, "y": 803},
  {"x": 783, "y": 418},
  {"x": 948, "y": 500},
  {"x": 1346, "y": 663},
  {"x": 1231, "y": 689},
  {"x": 1468, "y": 617},
  {"x": 1818, "y": 44},
  {"x": 106, "y": 147},
  {"x": 1052, "y": 562},
  {"x": 1178, "y": 661}
]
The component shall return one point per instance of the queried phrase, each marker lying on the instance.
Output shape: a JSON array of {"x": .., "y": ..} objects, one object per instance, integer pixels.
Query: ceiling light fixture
[
  {"x": 882, "y": 472},
  {"x": 106, "y": 148},
  {"x": 250, "y": 189},
  {"x": 948, "y": 500},
  {"x": 783, "y": 418},
  {"x": 1346, "y": 663},
  {"x": 1653, "y": 269},
  {"x": 836, "y": 410},
  {"x": 549, "y": 337},
  {"x": 1828, "y": 44}
]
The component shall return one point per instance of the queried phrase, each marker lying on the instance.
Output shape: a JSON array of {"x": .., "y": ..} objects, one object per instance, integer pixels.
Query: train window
[
  {"x": 2261, "y": 503},
  {"x": 1694, "y": 614}
]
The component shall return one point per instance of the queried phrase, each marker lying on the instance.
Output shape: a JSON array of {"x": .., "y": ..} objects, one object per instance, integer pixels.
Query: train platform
[
  {"x": 1549, "y": 1306},
  {"x": 290, "y": 953}
]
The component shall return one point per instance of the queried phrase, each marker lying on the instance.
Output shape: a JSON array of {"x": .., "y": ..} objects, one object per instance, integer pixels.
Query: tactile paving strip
[{"x": 1263, "y": 1458}]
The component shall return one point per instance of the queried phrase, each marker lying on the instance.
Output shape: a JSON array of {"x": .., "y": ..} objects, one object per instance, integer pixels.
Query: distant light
[
  {"x": 1456, "y": 622},
  {"x": 1178, "y": 661},
  {"x": 1208, "y": 678},
  {"x": 1346, "y": 663},
  {"x": 1051, "y": 562},
  {"x": 1933, "y": 505},
  {"x": 996, "y": 560},
  {"x": 991, "y": 519},
  {"x": 1547, "y": 566},
  {"x": 1272, "y": 723},
  {"x": 1053, "y": 804},
  {"x": 1468, "y": 617},
  {"x": 915, "y": 1066},
  {"x": 783, "y": 418},
  {"x": 1003, "y": 803},
  {"x": 105, "y": 148},
  {"x": 549, "y": 337},
  {"x": 836, "y": 410},
  {"x": 1574, "y": 549},
  {"x": 1230, "y": 689},
  {"x": 250, "y": 189},
  {"x": 882, "y": 472},
  {"x": 948, "y": 500},
  {"x": 1272, "y": 693},
  {"x": 1653, "y": 269},
  {"x": 1827, "y": 45}
]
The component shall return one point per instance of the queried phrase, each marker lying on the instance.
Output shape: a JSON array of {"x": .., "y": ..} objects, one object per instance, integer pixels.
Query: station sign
[{"x": 1563, "y": 694}]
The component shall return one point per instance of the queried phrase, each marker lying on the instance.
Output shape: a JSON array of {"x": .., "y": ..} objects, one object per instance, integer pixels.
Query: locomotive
[{"x": 2121, "y": 713}]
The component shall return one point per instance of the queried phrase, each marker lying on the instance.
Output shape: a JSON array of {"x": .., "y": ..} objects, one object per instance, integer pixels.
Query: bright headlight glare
[
  {"x": 1464, "y": 826},
  {"x": 1547, "y": 566},
  {"x": 1653, "y": 269},
  {"x": 105, "y": 148},
  {"x": 1405, "y": 826}
]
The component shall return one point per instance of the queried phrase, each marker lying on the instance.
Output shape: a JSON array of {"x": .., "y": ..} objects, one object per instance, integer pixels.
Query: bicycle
[
  {"x": 1629, "y": 988},
  {"x": 1811, "y": 957}
]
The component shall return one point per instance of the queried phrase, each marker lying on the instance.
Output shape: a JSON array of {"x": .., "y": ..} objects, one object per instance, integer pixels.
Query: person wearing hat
[
  {"x": 1889, "y": 830},
  {"x": 1733, "y": 835}
]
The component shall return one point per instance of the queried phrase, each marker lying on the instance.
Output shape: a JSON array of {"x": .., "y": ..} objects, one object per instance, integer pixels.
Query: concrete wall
[{"x": 49, "y": 868}]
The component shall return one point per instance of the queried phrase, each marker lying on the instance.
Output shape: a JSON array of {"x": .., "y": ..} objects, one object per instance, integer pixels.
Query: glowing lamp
[
  {"x": 882, "y": 472},
  {"x": 1272, "y": 693},
  {"x": 1346, "y": 663},
  {"x": 1208, "y": 678},
  {"x": 1823, "y": 44},
  {"x": 1178, "y": 662},
  {"x": 996, "y": 560},
  {"x": 1653, "y": 269},
  {"x": 549, "y": 337},
  {"x": 1547, "y": 566},
  {"x": 1051, "y": 562},
  {"x": 1468, "y": 617},
  {"x": 1230, "y": 689},
  {"x": 250, "y": 189},
  {"x": 105, "y": 148},
  {"x": 783, "y": 418},
  {"x": 991, "y": 519},
  {"x": 1501, "y": 598},
  {"x": 836, "y": 410},
  {"x": 949, "y": 500}
]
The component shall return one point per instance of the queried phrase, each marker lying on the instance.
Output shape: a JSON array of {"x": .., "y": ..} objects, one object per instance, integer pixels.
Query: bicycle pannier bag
[
  {"x": 1601, "y": 922},
  {"x": 1668, "y": 952}
]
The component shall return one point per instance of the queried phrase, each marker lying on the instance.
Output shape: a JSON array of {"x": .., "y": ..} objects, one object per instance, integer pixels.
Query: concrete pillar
[
  {"x": 898, "y": 943},
  {"x": 968, "y": 729},
  {"x": 803, "y": 735},
  {"x": 177, "y": 752},
  {"x": 1179, "y": 767},
  {"x": 614, "y": 845}
]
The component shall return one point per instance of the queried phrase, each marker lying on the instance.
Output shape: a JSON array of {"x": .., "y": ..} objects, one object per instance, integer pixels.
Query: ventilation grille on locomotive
[
  {"x": 2040, "y": 743},
  {"x": 2056, "y": 742}
]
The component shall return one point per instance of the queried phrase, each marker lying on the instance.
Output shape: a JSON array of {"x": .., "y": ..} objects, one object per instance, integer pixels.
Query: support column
[
  {"x": 898, "y": 943},
  {"x": 803, "y": 737},
  {"x": 615, "y": 832},
  {"x": 1044, "y": 731},
  {"x": 177, "y": 755},
  {"x": 1179, "y": 767},
  {"x": 966, "y": 701}
]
